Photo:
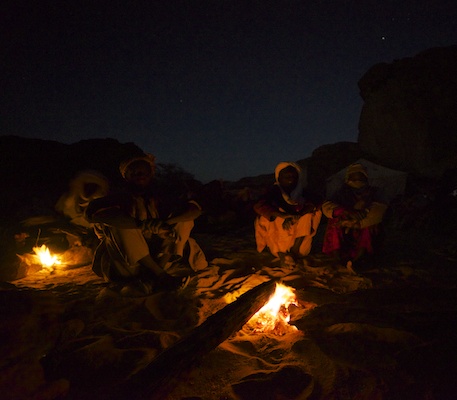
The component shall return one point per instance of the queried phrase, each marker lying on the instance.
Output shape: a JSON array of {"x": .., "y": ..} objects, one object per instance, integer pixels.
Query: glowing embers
[{"x": 274, "y": 316}]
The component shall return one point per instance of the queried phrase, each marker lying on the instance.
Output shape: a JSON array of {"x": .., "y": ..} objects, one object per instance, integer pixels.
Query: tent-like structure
[{"x": 392, "y": 182}]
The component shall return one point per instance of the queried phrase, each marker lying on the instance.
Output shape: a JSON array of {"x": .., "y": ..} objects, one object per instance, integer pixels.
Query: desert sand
[{"x": 387, "y": 332}]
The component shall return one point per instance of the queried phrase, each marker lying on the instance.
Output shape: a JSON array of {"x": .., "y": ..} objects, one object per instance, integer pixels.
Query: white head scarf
[
  {"x": 73, "y": 203},
  {"x": 148, "y": 158},
  {"x": 296, "y": 196}
]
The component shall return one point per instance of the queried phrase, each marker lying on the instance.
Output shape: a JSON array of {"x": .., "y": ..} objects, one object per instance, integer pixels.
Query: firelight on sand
[
  {"x": 46, "y": 259},
  {"x": 274, "y": 316}
]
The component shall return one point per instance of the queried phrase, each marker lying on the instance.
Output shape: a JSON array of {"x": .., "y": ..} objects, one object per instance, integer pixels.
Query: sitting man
[
  {"x": 84, "y": 187},
  {"x": 138, "y": 242},
  {"x": 355, "y": 212},
  {"x": 288, "y": 217}
]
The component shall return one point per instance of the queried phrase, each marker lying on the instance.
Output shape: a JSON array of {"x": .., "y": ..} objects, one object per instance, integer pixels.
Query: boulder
[
  {"x": 326, "y": 160},
  {"x": 409, "y": 115}
]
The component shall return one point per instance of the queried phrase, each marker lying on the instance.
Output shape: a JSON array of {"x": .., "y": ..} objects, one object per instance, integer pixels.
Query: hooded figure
[
  {"x": 138, "y": 242},
  {"x": 85, "y": 187},
  {"x": 288, "y": 216},
  {"x": 355, "y": 212}
]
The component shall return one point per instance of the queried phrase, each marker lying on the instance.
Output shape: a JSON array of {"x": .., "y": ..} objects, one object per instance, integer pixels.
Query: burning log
[{"x": 154, "y": 381}]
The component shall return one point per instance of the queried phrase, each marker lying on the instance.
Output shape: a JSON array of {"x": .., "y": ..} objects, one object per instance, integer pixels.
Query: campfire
[
  {"x": 274, "y": 316},
  {"x": 42, "y": 260},
  {"x": 45, "y": 258}
]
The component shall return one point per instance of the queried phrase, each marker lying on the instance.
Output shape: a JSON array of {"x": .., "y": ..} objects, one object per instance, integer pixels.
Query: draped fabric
[
  {"x": 295, "y": 237},
  {"x": 271, "y": 234},
  {"x": 369, "y": 203}
]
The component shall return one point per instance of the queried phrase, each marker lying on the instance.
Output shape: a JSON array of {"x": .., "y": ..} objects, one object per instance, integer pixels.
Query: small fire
[
  {"x": 274, "y": 316},
  {"x": 45, "y": 257}
]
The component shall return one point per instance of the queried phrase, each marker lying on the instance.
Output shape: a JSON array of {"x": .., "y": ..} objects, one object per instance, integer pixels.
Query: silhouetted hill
[{"x": 36, "y": 172}]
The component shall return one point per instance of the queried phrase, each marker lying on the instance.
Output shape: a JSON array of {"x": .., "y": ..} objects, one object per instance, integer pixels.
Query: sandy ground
[{"x": 385, "y": 333}]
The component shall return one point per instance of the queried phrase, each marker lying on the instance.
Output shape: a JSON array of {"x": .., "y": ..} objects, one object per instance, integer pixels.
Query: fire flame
[
  {"x": 45, "y": 257},
  {"x": 274, "y": 316}
]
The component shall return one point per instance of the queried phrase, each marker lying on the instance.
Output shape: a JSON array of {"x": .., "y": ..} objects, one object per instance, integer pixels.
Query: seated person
[
  {"x": 355, "y": 213},
  {"x": 68, "y": 228},
  {"x": 84, "y": 187},
  {"x": 136, "y": 243},
  {"x": 175, "y": 212},
  {"x": 288, "y": 216}
]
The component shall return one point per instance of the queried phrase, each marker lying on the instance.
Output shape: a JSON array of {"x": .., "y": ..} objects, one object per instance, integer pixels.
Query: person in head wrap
[
  {"x": 84, "y": 187},
  {"x": 138, "y": 241},
  {"x": 287, "y": 216},
  {"x": 354, "y": 214}
]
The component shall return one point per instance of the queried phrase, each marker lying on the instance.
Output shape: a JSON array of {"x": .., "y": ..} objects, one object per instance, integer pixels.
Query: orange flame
[
  {"x": 274, "y": 316},
  {"x": 45, "y": 257}
]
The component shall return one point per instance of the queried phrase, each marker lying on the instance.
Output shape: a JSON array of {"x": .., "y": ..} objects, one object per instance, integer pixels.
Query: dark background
[{"x": 224, "y": 89}]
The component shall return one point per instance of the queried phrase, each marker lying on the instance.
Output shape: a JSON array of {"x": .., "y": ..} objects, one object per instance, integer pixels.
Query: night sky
[{"x": 224, "y": 89}]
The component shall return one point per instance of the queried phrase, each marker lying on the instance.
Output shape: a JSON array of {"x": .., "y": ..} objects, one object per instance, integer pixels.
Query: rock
[
  {"x": 327, "y": 160},
  {"x": 409, "y": 117}
]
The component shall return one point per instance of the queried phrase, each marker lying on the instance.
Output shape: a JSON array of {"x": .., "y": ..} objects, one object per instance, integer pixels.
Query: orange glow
[
  {"x": 274, "y": 316},
  {"x": 46, "y": 259}
]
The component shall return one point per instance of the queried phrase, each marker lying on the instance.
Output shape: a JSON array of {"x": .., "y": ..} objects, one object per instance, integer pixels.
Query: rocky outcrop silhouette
[
  {"x": 408, "y": 122},
  {"x": 327, "y": 160},
  {"x": 409, "y": 117},
  {"x": 35, "y": 172}
]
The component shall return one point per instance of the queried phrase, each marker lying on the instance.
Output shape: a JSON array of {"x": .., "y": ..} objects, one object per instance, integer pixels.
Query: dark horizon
[{"x": 222, "y": 90}]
